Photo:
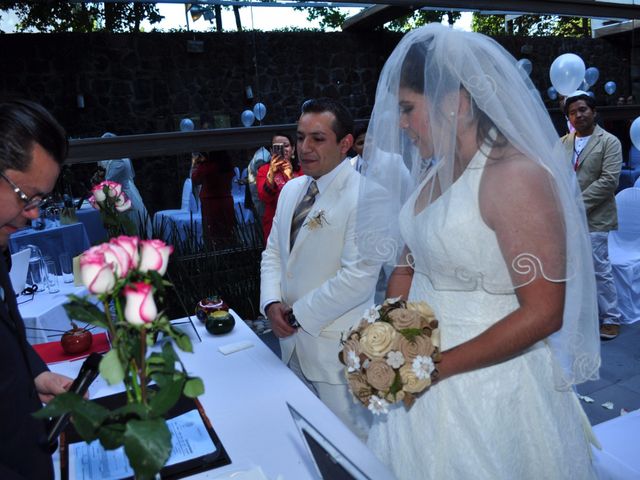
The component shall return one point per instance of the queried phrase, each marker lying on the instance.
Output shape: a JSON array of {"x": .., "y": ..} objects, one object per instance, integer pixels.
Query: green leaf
[
  {"x": 411, "y": 333},
  {"x": 85, "y": 311},
  {"x": 60, "y": 405},
  {"x": 88, "y": 419},
  {"x": 182, "y": 340},
  {"x": 147, "y": 444},
  {"x": 87, "y": 416},
  {"x": 111, "y": 435},
  {"x": 194, "y": 387},
  {"x": 166, "y": 397},
  {"x": 111, "y": 369}
]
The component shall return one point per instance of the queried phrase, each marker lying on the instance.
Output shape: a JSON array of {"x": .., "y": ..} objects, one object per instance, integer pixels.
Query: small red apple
[{"x": 76, "y": 340}]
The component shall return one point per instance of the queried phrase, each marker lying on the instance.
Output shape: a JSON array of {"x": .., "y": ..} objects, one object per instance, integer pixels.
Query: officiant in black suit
[{"x": 32, "y": 148}]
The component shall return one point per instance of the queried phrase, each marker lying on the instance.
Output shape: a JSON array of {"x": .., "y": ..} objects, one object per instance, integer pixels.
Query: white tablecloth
[
  {"x": 619, "y": 458},
  {"x": 245, "y": 399},
  {"x": 44, "y": 316}
]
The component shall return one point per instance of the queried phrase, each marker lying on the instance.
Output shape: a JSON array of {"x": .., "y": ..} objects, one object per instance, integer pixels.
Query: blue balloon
[
  {"x": 247, "y": 118},
  {"x": 260, "y": 111},
  {"x": 591, "y": 94},
  {"x": 591, "y": 75},
  {"x": 610, "y": 87},
  {"x": 186, "y": 125},
  {"x": 552, "y": 93}
]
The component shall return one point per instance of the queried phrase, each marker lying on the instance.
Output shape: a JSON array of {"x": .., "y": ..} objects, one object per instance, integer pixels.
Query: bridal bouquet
[
  {"x": 112, "y": 202},
  {"x": 126, "y": 274},
  {"x": 391, "y": 355}
]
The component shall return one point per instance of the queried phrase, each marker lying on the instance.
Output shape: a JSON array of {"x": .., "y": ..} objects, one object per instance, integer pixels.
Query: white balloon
[
  {"x": 634, "y": 133},
  {"x": 525, "y": 65},
  {"x": 260, "y": 111},
  {"x": 610, "y": 87},
  {"x": 247, "y": 118},
  {"x": 186, "y": 125},
  {"x": 567, "y": 73},
  {"x": 591, "y": 76},
  {"x": 584, "y": 86}
]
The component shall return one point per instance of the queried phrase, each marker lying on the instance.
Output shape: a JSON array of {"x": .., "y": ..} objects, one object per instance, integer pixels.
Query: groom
[{"x": 314, "y": 284}]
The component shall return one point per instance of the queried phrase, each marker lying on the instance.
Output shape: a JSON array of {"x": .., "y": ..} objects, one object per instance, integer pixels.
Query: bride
[{"x": 492, "y": 234}]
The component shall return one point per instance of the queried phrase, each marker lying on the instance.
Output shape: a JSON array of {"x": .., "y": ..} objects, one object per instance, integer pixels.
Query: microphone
[{"x": 88, "y": 373}]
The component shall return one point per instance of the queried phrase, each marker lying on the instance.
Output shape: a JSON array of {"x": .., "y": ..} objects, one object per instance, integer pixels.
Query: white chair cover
[
  {"x": 637, "y": 184},
  {"x": 624, "y": 253},
  {"x": 190, "y": 203}
]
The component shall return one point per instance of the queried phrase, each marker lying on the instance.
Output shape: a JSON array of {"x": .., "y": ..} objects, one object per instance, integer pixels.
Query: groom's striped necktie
[{"x": 302, "y": 210}]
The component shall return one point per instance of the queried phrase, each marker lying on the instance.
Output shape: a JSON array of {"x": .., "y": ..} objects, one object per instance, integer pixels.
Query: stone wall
[{"x": 144, "y": 83}]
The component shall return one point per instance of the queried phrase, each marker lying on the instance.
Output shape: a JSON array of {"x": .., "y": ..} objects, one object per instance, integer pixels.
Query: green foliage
[
  {"x": 329, "y": 17},
  {"x": 82, "y": 309},
  {"x": 111, "y": 368},
  {"x": 531, "y": 25},
  {"x": 147, "y": 444},
  {"x": 421, "y": 17},
  {"x": 59, "y": 16}
]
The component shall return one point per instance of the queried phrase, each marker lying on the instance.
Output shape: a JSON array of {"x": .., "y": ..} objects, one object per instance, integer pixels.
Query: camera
[{"x": 278, "y": 149}]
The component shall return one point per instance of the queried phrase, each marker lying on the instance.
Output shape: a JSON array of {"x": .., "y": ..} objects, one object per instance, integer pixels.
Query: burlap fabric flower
[
  {"x": 420, "y": 345},
  {"x": 380, "y": 375}
]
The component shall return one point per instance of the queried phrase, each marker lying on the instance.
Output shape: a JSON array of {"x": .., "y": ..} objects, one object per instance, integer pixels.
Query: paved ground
[{"x": 619, "y": 381}]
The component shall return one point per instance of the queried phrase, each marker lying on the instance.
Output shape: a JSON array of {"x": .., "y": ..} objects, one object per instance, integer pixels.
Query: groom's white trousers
[{"x": 339, "y": 400}]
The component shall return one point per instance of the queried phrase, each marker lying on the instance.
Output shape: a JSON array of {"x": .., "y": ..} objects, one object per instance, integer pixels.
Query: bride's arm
[
  {"x": 400, "y": 279},
  {"x": 519, "y": 204}
]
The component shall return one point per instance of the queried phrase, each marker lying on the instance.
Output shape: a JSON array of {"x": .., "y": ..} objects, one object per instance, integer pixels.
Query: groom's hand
[{"x": 277, "y": 315}]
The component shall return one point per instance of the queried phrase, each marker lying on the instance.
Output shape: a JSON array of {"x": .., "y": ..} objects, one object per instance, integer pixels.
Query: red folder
[{"x": 52, "y": 352}]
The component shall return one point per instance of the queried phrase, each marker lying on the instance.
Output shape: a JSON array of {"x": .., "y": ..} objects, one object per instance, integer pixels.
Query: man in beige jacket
[{"x": 596, "y": 156}]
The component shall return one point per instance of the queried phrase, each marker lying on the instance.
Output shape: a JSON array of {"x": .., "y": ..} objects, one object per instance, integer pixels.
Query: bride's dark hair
[{"x": 416, "y": 74}]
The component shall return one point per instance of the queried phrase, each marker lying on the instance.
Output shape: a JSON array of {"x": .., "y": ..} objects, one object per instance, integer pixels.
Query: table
[
  {"x": 619, "y": 458},
  {"x": 53, "y": 241},
  {"x": 44, "y": 316},
  {"x": 92, "y": 221},
  {"x": 245, "y": 395},
  {"x": 177, "y": 225}
]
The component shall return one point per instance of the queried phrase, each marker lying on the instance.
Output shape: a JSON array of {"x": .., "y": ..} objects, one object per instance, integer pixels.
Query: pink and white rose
[
  {"x": 130, "y": 244},
  {"x": 96, "y": 272},
  {"x": 140, "y": 306},
  {"x": 118, "y": 257},
  {"x": 123, "y": 203},
  {"x": 154, "y": 255}
]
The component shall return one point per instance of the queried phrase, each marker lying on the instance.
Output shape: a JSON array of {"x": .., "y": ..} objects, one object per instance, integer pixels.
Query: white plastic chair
[
  {"x": 190, "y": 201},
  {"x": 624, "y": 253}
]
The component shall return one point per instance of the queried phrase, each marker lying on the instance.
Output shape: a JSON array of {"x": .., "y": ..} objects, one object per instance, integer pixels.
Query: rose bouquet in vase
[
  {"x": 391, "y": 355},
  {"x": 112, "y": 202},
  {"x": 126, "y": 274}
]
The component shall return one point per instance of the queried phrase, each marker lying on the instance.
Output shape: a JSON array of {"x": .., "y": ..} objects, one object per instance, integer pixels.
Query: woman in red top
[
  {"x": 273, "y": 176},
  {"x": 215, "y": 173}
]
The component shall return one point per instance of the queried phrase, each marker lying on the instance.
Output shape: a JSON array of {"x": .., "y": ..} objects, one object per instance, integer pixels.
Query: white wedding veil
[{"x": 445, "y": 64}]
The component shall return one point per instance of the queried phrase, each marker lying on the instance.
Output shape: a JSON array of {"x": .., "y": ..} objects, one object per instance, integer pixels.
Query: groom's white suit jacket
[{"x": 323, "y": 277}]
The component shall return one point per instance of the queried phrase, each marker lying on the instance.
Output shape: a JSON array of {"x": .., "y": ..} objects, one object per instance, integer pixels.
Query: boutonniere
[{"x": 316, "y": 220}]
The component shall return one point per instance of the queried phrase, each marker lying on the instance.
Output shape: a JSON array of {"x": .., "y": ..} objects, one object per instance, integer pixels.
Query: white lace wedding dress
[{"x": 502, "y": 422}]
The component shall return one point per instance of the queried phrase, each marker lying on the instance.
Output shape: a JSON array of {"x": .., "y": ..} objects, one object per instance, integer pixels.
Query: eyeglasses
[{"x": 36, "y": 201}]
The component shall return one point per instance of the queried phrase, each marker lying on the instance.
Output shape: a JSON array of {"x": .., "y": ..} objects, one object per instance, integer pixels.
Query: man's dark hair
[
  {"x": 342, "y": 125},
  {"x": 591, "y": 103},
  {"x": 22, "y": 125},
  {"x": 360, "y": 129}
]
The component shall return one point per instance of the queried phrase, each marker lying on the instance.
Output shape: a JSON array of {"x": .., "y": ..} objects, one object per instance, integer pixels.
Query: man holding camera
[{"x": 314, "y": 284}]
